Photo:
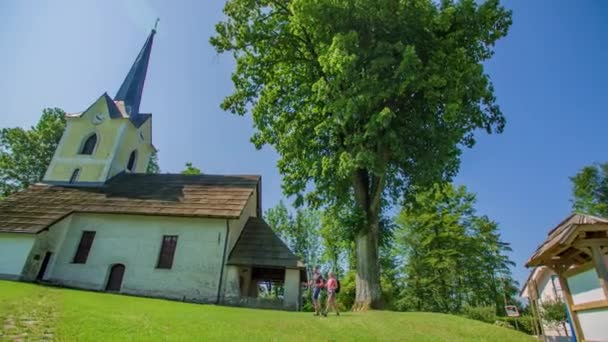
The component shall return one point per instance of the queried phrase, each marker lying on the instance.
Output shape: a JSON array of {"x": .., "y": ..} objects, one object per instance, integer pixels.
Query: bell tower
[{"x": 109, "y": 137}]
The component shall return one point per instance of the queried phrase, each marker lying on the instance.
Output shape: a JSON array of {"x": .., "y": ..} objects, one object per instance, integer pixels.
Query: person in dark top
[{"x": 317, "y": 282}]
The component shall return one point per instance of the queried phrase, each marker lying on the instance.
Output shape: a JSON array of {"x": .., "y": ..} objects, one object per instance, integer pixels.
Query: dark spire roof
[{"x": 132, "y": 88}]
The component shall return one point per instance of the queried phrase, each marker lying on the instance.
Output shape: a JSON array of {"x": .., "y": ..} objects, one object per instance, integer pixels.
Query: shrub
[
  {"x": 346, "y": 297},
  {"x": 480, "y": 313},
  {"x": 524, "y": 323},
  {"x": 503, "y": 324},
  {"x": 553, "y": 312}
]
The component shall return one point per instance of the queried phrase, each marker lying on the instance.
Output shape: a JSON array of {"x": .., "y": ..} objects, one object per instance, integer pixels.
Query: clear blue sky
[{"x": 550, "y": 76}]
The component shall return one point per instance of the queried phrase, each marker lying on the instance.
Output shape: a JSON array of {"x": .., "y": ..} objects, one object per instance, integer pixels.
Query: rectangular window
[
  {"x": 84, "y": 247},
  {"x": 167, "y": 251}
]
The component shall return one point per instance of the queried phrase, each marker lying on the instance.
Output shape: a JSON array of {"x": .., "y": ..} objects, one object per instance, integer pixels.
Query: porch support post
[
  {"x": 292, "y": 289},
  {"x": 600, "y": 267},
  {"x": 568, "y": 296}
]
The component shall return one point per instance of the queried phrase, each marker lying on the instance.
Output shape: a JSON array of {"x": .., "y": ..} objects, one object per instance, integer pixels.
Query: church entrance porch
[
  {"x": 261, "y": 271},
  {"x": 264, "y": 287}
]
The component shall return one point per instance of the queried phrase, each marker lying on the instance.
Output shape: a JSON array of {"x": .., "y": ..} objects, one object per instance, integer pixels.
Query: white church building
[{"x": 98, "y": 222}]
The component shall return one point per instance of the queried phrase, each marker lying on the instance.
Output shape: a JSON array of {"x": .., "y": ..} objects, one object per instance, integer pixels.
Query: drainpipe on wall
[{"x": 222, "y": 266}]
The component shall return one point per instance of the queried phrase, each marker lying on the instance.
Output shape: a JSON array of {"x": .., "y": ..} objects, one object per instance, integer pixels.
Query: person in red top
[{"x": 332, "y": 286}]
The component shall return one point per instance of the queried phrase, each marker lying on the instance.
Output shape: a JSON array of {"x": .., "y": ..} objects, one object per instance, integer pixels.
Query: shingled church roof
[
  {"x": 258, "y": 245},
  {"x": 41, "y": 205}
]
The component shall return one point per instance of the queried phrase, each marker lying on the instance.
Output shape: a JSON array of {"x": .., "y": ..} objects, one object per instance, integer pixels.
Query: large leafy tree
[
  {"x": 26, "y": 154},
  {"x": 363, "y": 99},
  {"x": 590, "y": 190}
]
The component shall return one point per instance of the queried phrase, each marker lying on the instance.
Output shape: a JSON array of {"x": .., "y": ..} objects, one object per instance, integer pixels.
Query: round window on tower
[{"x": 98, "y": 118}]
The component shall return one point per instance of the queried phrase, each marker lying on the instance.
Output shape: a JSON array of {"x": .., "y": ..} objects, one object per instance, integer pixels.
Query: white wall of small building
[
  {"x": 135, "y": 241},
  {"x": 594, "y": 324},
  {"x": 585, "y": 287},
  {"x": 14, "y": 250},
  {"x": 550, "y": 290}
]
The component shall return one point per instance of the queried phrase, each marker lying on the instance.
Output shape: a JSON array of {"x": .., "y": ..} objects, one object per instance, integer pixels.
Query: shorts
[
  {"x": 331, "y": 293},
  {"x": 316, "y": 292}
]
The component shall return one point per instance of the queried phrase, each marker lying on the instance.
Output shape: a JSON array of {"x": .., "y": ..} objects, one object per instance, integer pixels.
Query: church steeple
[
  {"x": 132, "y": 87},
  {"x": 109, "y": 137}
]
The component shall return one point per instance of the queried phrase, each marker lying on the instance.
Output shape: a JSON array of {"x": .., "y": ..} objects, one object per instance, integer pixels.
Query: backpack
[
  {"x": 338, "y": 287},
  {"x": 320, "y": 281}
]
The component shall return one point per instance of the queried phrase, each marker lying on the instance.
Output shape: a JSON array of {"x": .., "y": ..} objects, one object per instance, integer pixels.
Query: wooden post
[
  {"x": 600, "y": 267},
  {"x": 534, "y": 301},
  {"x": 568, "y": 296}
]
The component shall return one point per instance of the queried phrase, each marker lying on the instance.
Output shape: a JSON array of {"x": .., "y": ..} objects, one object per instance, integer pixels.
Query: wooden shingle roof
[
  {"x": 258, "y": 245},
  {"x": 41, "y": 205},
  {"x": 561, "y": 237}
]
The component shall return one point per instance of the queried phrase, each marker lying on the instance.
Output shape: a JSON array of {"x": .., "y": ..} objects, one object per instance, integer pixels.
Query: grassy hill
[{"x": 45, "y": 313}]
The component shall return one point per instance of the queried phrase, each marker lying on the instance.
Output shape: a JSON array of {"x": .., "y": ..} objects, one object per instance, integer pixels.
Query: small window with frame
[
  {"x": 84, "y": 247},
  {"x": 167, "y": 252}
]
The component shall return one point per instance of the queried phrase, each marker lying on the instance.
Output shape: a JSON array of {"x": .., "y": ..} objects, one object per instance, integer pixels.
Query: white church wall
[
  {"x": 135, "y": 241},
  {"x": 14, "y": 249}
]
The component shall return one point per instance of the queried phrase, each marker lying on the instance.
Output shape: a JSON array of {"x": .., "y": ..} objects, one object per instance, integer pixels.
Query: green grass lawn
[{"x": 33, "y": 312}]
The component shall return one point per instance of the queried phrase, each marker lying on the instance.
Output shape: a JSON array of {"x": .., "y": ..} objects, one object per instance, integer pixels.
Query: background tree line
[{"x": 439, "y": 254}]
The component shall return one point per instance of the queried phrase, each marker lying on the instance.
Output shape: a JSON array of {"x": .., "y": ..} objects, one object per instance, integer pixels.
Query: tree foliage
[
  {"x": 153, "y": 166},
  {"x": 191, "y": 170},
  {"x": 300, "y": 232},
  {"x": 450, "y": 257},
  {"x": 26, "y": 154},
  {"x": 363, "y": 99},
  {"x": 590, "y": 190}
]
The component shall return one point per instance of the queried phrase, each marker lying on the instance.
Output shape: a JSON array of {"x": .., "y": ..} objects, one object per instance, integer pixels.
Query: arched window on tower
[
  {"x": 89, "y": 145},
  {"x": 75, "y": 175},
  {"x": 132, "y": 161}
]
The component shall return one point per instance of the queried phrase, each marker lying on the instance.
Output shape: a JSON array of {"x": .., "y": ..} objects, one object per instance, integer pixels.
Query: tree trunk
[
  {"x": 368, "y": 192},
  {"x": 369, "y": 293}
]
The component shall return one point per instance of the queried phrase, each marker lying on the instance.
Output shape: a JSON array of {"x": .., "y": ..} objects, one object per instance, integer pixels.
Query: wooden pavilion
[{"x": 576, "y": 250}]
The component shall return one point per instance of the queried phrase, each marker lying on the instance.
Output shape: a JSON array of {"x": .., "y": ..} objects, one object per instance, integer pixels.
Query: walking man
[
  {"x": 332, "y": 290},
  {"x": 317, "y": 283}
]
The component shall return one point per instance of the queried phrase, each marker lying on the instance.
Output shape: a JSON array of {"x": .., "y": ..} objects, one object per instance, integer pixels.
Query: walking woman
[{"x": 332, "y": 290}]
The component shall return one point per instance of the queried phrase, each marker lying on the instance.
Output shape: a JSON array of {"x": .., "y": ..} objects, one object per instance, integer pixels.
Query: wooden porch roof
[
  {"x": 258, "y": 245},
  {"x": 563, "y": 242}
]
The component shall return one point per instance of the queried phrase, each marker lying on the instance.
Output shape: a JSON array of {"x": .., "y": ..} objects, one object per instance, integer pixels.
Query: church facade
[{"x": 98, "y": 222}]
